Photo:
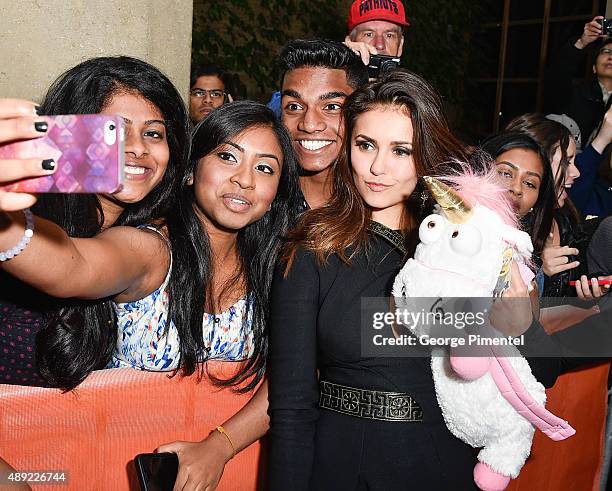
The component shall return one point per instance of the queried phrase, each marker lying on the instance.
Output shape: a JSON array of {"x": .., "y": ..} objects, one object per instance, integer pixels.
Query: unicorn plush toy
[{"x": 492, "y": 402}]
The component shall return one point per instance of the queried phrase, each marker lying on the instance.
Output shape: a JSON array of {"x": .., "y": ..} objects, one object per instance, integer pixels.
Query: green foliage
[
  {"x": 438, "y": 43},
  {"x": 245, "y": 37}
]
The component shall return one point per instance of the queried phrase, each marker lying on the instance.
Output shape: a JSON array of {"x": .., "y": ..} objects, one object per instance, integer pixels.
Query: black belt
[{"x": 370, "y": 404}]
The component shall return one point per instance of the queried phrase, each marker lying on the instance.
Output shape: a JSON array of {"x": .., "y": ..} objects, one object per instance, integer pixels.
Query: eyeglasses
[
  {"x": 214, "y": 93},
  {"x": 605, "y": 51}
]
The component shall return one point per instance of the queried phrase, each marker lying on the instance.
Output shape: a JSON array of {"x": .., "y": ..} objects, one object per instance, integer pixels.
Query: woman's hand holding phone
[
  {"x": 201, "y": 464},
  {"x": 86, "y": 149},
  {"x": 592, "y": 289},
  {"x": 19, "y": 121}
]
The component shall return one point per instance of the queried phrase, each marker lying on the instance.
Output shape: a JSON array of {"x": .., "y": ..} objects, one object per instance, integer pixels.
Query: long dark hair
[
  {"x": 538, "y": 222},
  {"x": 258, "y": 243},
  {"x": 81, "y": 336},
  {"x": 343, "y": 221},
  {"x": 551, "y": 135}
]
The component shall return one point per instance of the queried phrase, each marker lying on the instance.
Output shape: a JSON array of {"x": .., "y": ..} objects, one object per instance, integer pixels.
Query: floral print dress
[{"x": 147, "y": 341}]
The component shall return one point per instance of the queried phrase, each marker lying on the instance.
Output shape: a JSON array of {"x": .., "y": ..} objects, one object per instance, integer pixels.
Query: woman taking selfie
[
  {"x": 156, "y": 148},
  {"x": 234, "y": 208}
]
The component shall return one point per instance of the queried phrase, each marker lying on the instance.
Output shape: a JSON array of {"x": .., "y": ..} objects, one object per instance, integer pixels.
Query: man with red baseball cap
[{"x": 376, "y": 27}]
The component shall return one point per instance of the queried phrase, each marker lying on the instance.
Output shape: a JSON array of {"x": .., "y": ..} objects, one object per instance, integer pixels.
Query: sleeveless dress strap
[
  {"x": 156, "y": 230},
  {"x": 167, "y": 242}
]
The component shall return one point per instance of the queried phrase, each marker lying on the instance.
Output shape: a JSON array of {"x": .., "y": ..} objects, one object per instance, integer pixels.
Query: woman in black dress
[{"x": 341, "y": 420}]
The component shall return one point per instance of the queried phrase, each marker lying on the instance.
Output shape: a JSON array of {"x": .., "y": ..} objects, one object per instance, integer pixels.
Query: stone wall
[{"x": 42, "y": 38}]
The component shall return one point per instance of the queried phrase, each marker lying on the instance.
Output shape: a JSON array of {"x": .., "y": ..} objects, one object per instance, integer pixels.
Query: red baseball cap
[{"x": 366, "y": 10}]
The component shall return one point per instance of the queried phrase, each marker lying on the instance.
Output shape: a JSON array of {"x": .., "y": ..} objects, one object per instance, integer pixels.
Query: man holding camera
[
  {"x": 376, "y": 28},
  {"x": 317, "y": 77}
]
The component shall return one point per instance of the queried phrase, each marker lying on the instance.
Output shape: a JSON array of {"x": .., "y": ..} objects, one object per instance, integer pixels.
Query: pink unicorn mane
[{"x": 483, "y": 188}]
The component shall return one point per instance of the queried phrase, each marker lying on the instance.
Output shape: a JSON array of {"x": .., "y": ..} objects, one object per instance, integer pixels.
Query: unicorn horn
[{"x": 455, "y": 208}]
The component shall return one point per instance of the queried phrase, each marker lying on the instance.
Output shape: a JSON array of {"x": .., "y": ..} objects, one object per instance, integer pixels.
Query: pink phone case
[{"x": 88, "y": 150}]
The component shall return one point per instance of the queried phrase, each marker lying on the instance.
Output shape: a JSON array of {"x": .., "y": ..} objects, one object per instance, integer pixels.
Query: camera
[
  {"x": 379, "y": 64},
  {"x": 606, "y": 26}
]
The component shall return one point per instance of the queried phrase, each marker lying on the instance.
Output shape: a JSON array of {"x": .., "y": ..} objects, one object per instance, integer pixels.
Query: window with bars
[{"x": 514, "y": 44}]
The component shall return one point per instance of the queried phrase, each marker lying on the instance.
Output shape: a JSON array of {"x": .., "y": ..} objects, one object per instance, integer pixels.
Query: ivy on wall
[{"x": 245, "y": 37}]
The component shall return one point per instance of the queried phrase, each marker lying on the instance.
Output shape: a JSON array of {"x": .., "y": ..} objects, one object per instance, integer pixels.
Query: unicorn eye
[
  {"x": 431, "y": 228},
  {"x": 466, "y": 240}
]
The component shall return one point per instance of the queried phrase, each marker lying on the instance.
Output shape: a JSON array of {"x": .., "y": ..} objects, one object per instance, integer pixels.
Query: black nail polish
[
  {"x": 48, "y": 164},
  {"x": 41, "y": 126},
  {"x": 37, "y": 110}
]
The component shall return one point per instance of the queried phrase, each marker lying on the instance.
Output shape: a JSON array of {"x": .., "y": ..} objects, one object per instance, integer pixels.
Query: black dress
[{"x": 315, "y": 328}]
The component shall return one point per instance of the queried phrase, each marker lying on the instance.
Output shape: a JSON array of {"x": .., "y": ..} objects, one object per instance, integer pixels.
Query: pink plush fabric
[
  {"x": 489, "y": 480},
  {"x": 516, "y": 394},
  {"x": 484, "y": 189}
]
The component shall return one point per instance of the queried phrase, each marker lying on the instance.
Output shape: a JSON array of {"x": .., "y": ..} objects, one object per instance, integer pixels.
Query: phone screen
[{"x": 157, "y": 471}]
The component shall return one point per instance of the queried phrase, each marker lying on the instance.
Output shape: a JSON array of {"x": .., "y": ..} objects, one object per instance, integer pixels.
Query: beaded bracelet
[{"x": 24, "y": 241}]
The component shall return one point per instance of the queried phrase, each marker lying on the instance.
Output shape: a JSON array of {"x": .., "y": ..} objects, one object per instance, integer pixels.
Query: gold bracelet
[{"x": 221, "y": 430}]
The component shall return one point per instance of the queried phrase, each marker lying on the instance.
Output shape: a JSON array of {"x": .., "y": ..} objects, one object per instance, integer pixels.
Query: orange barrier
[
  {"x": 581, "y": 397},
  {"x": 94, "y": 433}
]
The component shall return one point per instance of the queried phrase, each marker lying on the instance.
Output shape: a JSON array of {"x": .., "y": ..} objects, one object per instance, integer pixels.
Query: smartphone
[
  {"x": 88, "y": 150},
  {"x": 156, "y": 471},
  {"x": 599, "y": 282}
]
